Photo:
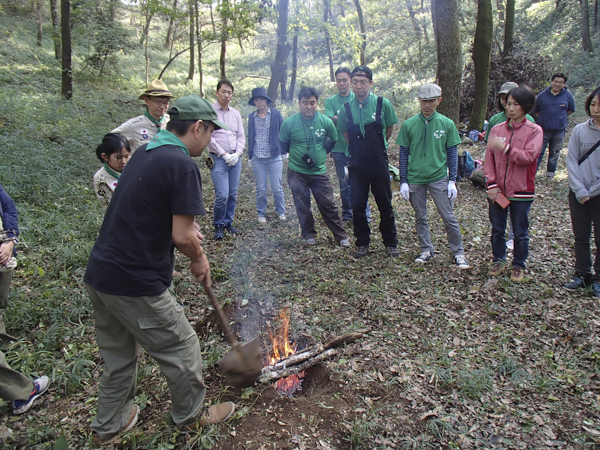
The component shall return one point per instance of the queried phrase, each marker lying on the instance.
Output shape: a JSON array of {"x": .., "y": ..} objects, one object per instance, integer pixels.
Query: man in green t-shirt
[
  {"x": 333, "y": 105},
  {"x": 367, "y": 122},
  {"x": 429, "y": 162},
  {"x": 304, "y": 137}
]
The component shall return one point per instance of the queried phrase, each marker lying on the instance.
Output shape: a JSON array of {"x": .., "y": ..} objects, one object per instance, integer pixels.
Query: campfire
[{"x": 286, "y": 366}]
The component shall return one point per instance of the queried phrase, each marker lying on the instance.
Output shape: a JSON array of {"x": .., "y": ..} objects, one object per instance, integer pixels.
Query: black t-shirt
[{"x": 133, "y": 255}]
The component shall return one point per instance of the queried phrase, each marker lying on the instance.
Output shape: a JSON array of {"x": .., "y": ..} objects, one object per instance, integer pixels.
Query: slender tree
[
  {"x": 192, "y": 15},
  {"x": 112, "y": 6},
  {"x": 67, "y": 68},
  {"x": 149, "y": 9},
  {"x": 225, "y": 19},
  {"x": 54, "y": 13},
  {"x": 172, "y": 16},
  {"x": 416, "y": 27},
  {"x": 585, "y": 27},
  {"x": 509, "y": 25},
  {"x": 199, "y": 47},
  {"x": 294, "y": 67},
  {"x": 38, "y": 7},
  {"x": 327, "y": 40},
  {"x": 482, "y": 50},
  {"x": 363, "y": 32},
  {"x": 283, "y": 50},
  {"x": 444, "y": 14}
]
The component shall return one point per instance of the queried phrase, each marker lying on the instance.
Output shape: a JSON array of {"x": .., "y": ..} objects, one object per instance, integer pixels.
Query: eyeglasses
[
  {"x": 360, "y": 83},
  {"x": 159, "y": 103}
]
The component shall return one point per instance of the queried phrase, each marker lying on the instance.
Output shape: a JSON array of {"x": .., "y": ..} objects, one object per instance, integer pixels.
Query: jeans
[
  {"x": 583, "y": 216},
  {"x": 271, "y": 167},
  {"x": 341, "y": 163},
  {"x": 554, "y": 141},
  {"x": 439, "y": 193},
  {"x": 301, "y": 186},
  {"x": 519, "y": 213},
  {"x": 226, "y": 180}
]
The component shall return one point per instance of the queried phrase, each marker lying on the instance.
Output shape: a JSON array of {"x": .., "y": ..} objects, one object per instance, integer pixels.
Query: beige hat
[
  {"x": 429, "y": 91},
  {"x": 156, "y": 89},
  {"x": 506, "y": 87}
]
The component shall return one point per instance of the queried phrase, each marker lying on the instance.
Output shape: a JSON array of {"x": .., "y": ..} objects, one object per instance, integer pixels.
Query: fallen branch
[{"x": 270, "y": 376}]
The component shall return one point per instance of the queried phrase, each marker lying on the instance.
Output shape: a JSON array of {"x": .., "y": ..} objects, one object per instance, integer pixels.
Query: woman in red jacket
[{"x": 510, "y": 166}]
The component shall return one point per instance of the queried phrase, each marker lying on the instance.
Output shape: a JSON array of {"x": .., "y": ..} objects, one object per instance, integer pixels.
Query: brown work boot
[
  {"x": 131, "y": 422},
  {"x": 517, "y": 275},
  {"x": 212, "y": 415},
  {"x": 496, "y": 269}
]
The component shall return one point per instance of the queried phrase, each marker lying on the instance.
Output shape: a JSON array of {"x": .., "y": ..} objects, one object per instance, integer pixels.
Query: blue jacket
[
  {"x": 276, "y": 121},
  {"x": 553, "y": 109},
  {"x": 9, "y": 215}
]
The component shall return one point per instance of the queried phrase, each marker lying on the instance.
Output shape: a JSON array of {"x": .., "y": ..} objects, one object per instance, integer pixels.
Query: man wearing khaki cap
[
  {"x": 141, "y": 129},
  {"x": 130, "y": 270},
  {"x": 429, "y": 162}
]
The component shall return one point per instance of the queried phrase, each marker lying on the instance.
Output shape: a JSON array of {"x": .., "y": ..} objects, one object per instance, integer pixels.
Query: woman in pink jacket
[{"x": 510, "y": 166}]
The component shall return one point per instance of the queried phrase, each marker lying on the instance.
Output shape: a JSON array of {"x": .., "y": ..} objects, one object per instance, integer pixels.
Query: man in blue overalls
[{"x": 367, "y": 122}]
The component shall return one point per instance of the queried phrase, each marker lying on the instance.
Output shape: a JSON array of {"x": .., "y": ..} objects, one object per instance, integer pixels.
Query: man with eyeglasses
[
  {"x": 367, "y": 122},
  {"x": 141, "y": 129},
  {"x": 552, "y": 109},
  {"x": 333, "y": 105}
]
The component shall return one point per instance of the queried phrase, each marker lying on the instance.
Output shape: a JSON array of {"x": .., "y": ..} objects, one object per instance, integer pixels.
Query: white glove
[
  {"x": 405, "y": 191},
  {"x": 285, "y": 156},
  {"x": 250, "y": 164},
  {"x": 235, "y": 157},
  {"x": 452, "y": 192},
  {"x": 227, "y": 158}
]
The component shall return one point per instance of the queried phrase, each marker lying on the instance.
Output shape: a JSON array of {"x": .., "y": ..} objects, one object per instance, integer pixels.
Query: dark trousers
[
  {"x": 377, "y": 177},
  {"x": 301, "y": 186},
  {"x": 519, "y": 212},
  {"x": 583, "y": 216}
]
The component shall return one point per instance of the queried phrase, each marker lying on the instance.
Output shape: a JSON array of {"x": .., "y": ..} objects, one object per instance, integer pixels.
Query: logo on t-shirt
[
  {"x": 320, "y": 132},
  {"x": 439, "y": 134}
]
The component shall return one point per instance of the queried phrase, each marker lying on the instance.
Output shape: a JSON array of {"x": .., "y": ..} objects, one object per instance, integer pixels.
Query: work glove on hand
[
  {"x": 227, "y": 158},
  {"x": 452, "y": 192},
  {"x": 250, "y": 164},
  {"x": 285, "y": 156},
  {"x": 405, "y": 191},
  {"x": 235, "y": 157}
]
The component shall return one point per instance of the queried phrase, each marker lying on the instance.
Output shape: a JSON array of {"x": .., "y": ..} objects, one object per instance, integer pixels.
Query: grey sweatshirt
[{"x": 584, "y": 179}]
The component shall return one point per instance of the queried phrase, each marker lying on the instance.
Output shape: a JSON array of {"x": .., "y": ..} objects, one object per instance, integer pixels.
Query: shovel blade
[{"x": 242, "y": 366}]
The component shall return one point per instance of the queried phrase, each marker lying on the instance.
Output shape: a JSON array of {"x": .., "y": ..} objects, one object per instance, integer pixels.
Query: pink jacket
[{"x": 513, "y": 171}]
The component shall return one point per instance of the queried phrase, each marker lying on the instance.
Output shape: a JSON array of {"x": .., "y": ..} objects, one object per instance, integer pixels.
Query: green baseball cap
[{"x": 193, "y": 107}]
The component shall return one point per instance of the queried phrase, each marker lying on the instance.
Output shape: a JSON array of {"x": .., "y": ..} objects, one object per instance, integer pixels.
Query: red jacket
[{"x": 513, "y": 172}]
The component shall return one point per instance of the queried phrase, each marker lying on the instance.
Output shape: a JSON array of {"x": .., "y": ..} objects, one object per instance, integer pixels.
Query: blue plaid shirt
[{"x": 262, "y": 148}]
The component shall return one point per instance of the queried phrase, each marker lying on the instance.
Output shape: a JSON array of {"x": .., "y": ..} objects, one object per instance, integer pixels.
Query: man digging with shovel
[{"x": 130, "y": 270}]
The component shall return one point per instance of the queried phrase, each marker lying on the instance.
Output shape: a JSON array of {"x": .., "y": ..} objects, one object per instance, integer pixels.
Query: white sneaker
[
  {"x": 510, "y": 245},
  {"x": 345, "y": 243},
  {"x": 282, "y": 217},
  {"x": 424, "y": 257},
  {"x": 262, "y": 219},
  {"x": 461, "y": 262}
]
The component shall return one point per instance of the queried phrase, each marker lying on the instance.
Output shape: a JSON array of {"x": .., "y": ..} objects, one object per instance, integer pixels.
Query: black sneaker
[
  {"x": 361, "y": 251},
  {"x": 231, "y": 229},
  {"x": 596, "y": 290},
  {"x": 575, "y": 283},
  {"x": 219, "y": 232},
  {"x": 392, "y": 251}
]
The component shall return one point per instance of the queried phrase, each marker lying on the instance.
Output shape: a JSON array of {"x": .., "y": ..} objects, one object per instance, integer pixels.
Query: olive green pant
[
  {"x": 158, "y": 324},
  {"x": 5, "y": 280}
]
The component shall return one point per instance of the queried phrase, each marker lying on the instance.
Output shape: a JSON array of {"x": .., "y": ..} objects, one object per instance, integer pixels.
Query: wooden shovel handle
[{"x": 224, "y": 321}]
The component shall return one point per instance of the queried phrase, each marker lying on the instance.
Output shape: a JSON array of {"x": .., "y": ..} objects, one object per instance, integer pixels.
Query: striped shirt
[{"x": 262, "y": 148}]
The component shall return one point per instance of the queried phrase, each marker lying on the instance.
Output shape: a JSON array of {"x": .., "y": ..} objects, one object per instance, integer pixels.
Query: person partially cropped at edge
[
  {"x": 141, "y": 129},
  {"x": 130, "y": 270},
  {"x": 304, "y": 136},
  {"x": 510, "y": 165},
  {"x": 225, "y": 148},
  {"x": 429, "y": 162},
  {"x": 584, "y": 195},
  {"x": 367, "y": 122}
]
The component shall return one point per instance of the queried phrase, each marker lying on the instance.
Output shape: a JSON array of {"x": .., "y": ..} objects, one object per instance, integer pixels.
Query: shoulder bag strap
[{"x": 589, "y": 152}]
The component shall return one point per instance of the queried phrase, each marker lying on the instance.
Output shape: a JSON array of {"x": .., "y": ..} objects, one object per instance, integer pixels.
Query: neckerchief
[
  {"x": 112, "y": 172},
  {"x": 166, "y": 138},
  {"x": 154, "y": 121}
]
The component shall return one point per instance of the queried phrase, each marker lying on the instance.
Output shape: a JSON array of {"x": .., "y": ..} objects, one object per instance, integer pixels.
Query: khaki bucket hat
[{"x": 156, "y": 89}]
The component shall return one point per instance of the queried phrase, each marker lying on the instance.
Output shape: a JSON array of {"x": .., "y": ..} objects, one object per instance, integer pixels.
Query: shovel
[{"x": 241, "y": 366}]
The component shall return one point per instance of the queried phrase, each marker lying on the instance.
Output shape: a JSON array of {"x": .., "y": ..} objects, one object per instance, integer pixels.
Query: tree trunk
[
  {"x": 112, "y": 6},
  {"x": 67, "y": 68},
  {"x": 444, "y": 14},
  {"x": 283, "y": 50},
  {"x": 212, "y": 20},
  {"x": 294, "y": 68},
  {"x": 596, "y": 14},
  {"x": 416, "y": 27},
  {"x": 509, "y": 25},
  {"x": 199, "y": 45},
  {"x": 482, "y": 49},
  {"x": 327, "y": 41},
  {"x": 585, "y": 28},
  {"x": 225, "y": 13},
  {"x": 363, "y": 32},
  {"x": 38, "y": 7},
  {"x": 146, "y": 31},
  {"x": 192, "y": 40},
  {"x": 170, "y": 28},
  {"x": 55, "y": 28}
]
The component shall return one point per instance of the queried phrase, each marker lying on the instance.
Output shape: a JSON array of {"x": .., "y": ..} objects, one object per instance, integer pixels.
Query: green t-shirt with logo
[
  {"x": 307, "y": 136},
  {"x": 427, "y": 141},
  {"x": 369, "y": 109},
  {"x": 333, "y": 106}
]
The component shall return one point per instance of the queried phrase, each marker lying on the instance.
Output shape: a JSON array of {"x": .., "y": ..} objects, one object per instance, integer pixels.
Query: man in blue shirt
[{"x": 553, "y": 106}]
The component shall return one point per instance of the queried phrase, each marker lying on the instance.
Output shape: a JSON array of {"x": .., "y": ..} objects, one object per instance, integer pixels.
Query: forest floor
[{"x": 449, "y": 358}]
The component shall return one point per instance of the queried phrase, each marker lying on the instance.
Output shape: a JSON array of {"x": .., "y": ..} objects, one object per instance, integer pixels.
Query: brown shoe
[
  {"x": 517, "y": 275},
  {"x": 496, "y": 269},
  {"x": 131, "y": 422},
  {"x": 212, "y": 415}
]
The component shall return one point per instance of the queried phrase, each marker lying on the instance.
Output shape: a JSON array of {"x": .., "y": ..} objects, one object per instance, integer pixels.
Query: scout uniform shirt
[
  {"x": 427, "y": 141},
  {"x": 307, "y": 137},
  {"x": 105, "y": 182},
  {"x": 333, "y": 106},
  {"x": 141, "y": 129},
  {"x": 366, "y": 114}
]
